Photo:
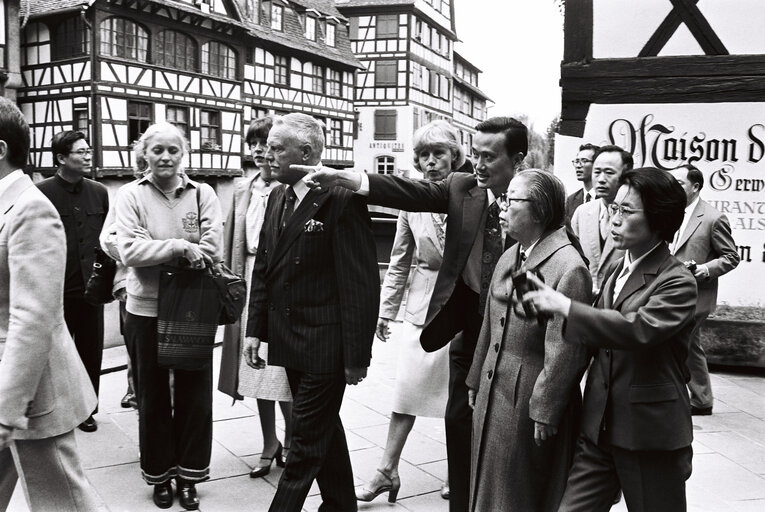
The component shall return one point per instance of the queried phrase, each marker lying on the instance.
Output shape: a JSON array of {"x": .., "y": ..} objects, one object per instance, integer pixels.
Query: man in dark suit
[
  {"x": 82, "y": 204},
  {"x": 704, "y": 238},
  {"x": 636, "y": 423},
  {"x": 314, "y": 298},
  {"x": 583, "y": 168},
  {"x": 472, "y": 247}
]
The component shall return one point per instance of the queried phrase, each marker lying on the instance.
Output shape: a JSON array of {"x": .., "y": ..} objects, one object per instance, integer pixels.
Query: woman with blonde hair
[
  {"x": 164, "y": 218},
  {"x": 422, "y": 378}
]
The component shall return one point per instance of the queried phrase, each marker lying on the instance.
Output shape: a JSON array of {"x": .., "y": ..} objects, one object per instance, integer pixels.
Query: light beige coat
[{"x": 44, "y": 389}]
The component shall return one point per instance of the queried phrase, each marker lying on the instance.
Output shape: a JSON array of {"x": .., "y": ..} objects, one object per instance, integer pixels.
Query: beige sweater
[{"x": 151, "y": 229}]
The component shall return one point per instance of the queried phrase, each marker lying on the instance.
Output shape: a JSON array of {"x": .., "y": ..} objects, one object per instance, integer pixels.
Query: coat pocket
[{"x": 653, "y": 393}]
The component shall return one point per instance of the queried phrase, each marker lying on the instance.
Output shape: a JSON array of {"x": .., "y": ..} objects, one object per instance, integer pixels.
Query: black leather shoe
[
  {"x": 701, "y": 411},
  {"x": 89, "y": 425},
  {"x": 187, "y": 495},
  {"x": 129, "y": 401},
  {"x": 163, "y": 495}
]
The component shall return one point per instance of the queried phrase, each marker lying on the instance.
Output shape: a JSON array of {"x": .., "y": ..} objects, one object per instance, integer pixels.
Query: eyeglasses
[
  {"x": 581, "y": 161},
  {"x": 504, "y": 201},
  {"x": 82, "y": 152},
  {"x": 621, "y": 210}
]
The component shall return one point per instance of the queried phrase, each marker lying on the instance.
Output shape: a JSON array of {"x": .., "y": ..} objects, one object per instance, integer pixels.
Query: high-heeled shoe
[
  {"x": 265, "y": 466},
  {"x": 391, "y": 485}
]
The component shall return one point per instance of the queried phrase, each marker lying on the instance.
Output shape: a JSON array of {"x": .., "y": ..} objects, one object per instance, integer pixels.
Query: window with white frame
[
  {"x": 281, "y": 70},
  {"x": 209, "y": 127},
  {"x": 121, "y": 37},
  {"x": 277, "y": 17},
  {"x": 310, "y": 28},
  {"x": 385, "y": 165},
  {"x": 330, "y": 34}
]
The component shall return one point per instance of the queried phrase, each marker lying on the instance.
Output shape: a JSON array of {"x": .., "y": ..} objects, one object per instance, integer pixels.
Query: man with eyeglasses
[
  {"x": 583, "y": 168},
  {"x": 473, "y": 244},
  {"x": 82, "y": 204},
  {"x": 591, "y": 221}
]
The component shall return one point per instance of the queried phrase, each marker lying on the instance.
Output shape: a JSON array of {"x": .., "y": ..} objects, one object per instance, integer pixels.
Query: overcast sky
[{"x": 518, "y": 44}]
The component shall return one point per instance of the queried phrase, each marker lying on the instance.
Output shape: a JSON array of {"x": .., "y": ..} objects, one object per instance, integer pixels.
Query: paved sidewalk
[{"x": 728, "y": 474}]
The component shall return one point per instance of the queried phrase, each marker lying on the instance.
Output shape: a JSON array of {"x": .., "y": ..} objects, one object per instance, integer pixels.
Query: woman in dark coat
[{"x": 524, "y": 381}]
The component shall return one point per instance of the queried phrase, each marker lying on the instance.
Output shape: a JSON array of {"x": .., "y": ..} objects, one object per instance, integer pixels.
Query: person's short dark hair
[
  {"x": 14, "y": 130},
  {"x": 258, "y": 129},
  {"x": 548, "y": 197},
  {"x": 694, "y": 174},
  {"x": 664, "y": 200},
  {"x": 627, "y": 161},
  {"x": 63, "y": 141},
  {"x": 589, "y": 147},
  {"x": 516, "y": 133}
]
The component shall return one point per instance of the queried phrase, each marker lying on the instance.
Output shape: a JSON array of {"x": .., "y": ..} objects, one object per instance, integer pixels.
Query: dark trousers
[
  {"x": 700, "y": 384},
  {"x": 652, "y": 481},
  {"x": 318, "y": 449},
  {"x": 86, "y": 326},
  {"x": 459, "y": 315},
  {"x": 175, "y": 435}
]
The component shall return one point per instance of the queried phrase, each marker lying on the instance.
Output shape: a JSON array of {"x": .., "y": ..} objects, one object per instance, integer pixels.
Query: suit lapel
[
  {"x": 473, "y": 205},
  {"x": 693, "y": 224},
  {"x": 305, "y": 210},
  {"x": 429, "y": 224},
  {"x": 9, "y": 197},
  {"x": 644, "y": 274}
]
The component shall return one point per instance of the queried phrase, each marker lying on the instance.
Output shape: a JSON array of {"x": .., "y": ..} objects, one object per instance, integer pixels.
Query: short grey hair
[
  {"x": 439, "y": 133},
  {"x": 305, "y": 129},
  {"x": 140, "y": 165},
  {"x": 548, "y": 197}
]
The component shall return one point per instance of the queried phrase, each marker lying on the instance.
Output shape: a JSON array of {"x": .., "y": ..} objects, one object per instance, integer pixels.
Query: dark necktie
[
  {"x": 492, "y": 250},
  {"x": 289, "y": 207},
  {"x": 587, "y": 198}
]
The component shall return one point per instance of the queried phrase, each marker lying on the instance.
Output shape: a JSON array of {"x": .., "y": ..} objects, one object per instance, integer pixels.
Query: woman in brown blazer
[
  {"x": 523, "y": 382},
  {"x": 636, "y": 417}
]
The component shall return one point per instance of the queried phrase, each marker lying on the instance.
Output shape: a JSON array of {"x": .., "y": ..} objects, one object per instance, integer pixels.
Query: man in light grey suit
[
  {"x": 704, "y": 238},
  {"x": 591, "y": 221},
  {"x": 44, "y": 389}
]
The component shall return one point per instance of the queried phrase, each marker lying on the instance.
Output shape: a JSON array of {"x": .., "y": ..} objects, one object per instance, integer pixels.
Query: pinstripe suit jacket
[{"x": 315, "y": 295}]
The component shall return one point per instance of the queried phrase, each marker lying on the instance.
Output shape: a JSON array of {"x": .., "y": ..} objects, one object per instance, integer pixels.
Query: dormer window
[
  {"x": 277, "y": 17},
  {"x": 330, "y": 34},
  {"x": 310, "y": 28}
]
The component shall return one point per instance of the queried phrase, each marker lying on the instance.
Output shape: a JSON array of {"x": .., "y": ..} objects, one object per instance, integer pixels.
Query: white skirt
[
  {"x": 422, "y": 378},
  {"x": 271, "y": 382}
]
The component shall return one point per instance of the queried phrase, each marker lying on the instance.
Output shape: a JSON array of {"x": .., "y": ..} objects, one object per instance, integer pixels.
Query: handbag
[
  {"x": 187, "y": 318},
  {"x": 98, "y": 289},
  {"x": 232, "y": 292},
  {"x": 232, "y": 289}
]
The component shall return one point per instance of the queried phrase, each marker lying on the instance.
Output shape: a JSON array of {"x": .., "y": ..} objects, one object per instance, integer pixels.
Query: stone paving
[{"x": 728, "y": 474}]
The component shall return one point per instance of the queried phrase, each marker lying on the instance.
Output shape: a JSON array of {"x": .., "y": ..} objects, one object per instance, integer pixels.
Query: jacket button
[
  {"x": 489, "y": 374},
  {"x": 297, "y": 260},
  {"x": 286, "y": 311},
  {"x": 287, "y": 286},
  {"x": 608, "y": 352},
  {"x": 496, "y": 347},
  {"x": 502, "y": 321}
]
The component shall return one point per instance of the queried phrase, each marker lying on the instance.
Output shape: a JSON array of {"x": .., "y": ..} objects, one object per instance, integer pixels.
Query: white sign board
[{"x": 726, "y": 141}]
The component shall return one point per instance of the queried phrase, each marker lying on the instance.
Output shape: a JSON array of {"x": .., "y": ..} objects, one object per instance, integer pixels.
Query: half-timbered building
[
  {"x": 674, "y": 82},
  {"x": 469, "y": 102},
  {"x": 112, "y": 67},
  {"x": 408, "y": 80},
  {"x": 10, "y": 76}
]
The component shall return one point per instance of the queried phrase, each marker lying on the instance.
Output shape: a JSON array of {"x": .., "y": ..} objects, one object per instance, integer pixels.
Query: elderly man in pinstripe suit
[{"x": 314, "y": 298}]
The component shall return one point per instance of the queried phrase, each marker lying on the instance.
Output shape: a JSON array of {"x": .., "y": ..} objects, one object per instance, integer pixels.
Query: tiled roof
[
  {"x": 371, "y": 3},
  {"x": 40, "y": 7},
  {"x": 292, "y": 35},
  {"x": 472, "y": 88}
]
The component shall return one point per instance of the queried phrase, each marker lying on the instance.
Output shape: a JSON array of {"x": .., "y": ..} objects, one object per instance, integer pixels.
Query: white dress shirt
[
  {"x": 686, "y": 218},
  {"x": 628, "y": 269}
]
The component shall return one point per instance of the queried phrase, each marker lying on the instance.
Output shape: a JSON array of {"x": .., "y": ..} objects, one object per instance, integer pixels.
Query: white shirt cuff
[{"x": 364, "y": 187}]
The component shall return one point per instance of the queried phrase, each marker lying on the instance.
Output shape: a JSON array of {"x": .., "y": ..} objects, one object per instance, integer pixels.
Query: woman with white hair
[
  {"x": 422, "y": 378},
  {"x": 164, "y": 218}
]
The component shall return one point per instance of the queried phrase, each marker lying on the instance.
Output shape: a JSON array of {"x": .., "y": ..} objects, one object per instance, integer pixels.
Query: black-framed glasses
[
  {"x": 82, "y": 152},
  {"x": 504, "y": 201},
  {"x": 581, "y": 161},
  {"x": 621, "y": 210}
]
